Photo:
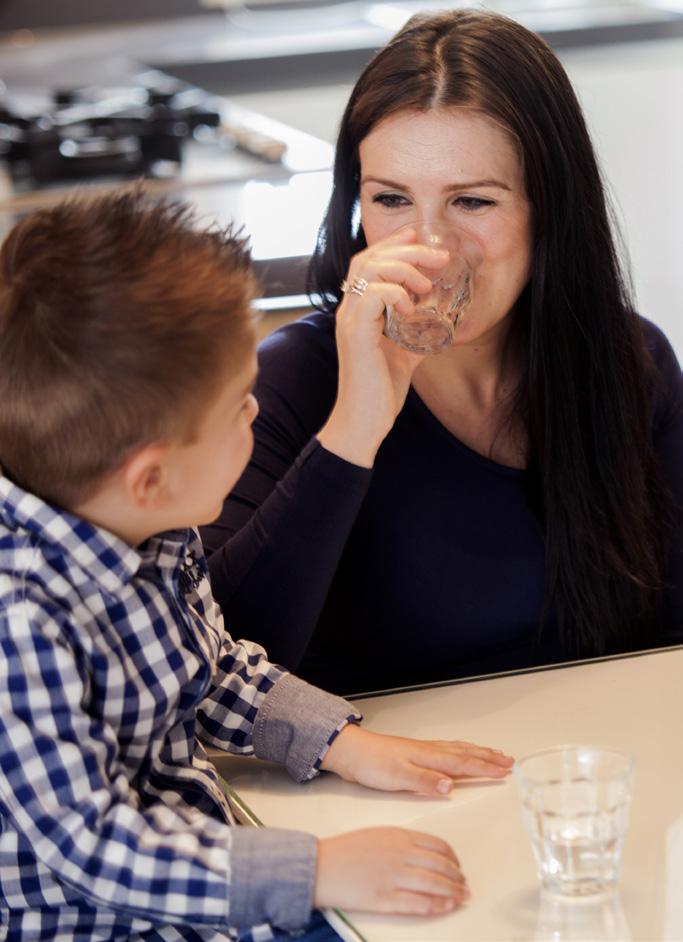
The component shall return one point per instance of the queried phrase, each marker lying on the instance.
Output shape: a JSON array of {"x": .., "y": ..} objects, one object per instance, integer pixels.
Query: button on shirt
[{"x": 114, "y": 665}]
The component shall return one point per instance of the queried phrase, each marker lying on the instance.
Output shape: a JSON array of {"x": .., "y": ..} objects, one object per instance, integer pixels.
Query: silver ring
[{"x": 357, "y": 286}]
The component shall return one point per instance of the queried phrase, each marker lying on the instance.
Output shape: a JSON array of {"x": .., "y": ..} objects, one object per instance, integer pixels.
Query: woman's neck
[
  {"x": 471, "y": 390},
  {"x": 484, "y": 372}
]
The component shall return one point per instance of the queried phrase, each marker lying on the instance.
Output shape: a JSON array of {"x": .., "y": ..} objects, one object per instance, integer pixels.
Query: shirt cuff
[
  {"x": 272, "y": 877},
  {"x": 296, "y": 724}
]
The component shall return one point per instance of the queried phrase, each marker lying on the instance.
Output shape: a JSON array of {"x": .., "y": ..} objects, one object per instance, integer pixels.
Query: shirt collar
[{"x": 101, "y": 555}]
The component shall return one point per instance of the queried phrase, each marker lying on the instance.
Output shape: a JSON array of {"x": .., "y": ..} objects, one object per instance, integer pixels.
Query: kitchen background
[{"x": 257, "y": 147}]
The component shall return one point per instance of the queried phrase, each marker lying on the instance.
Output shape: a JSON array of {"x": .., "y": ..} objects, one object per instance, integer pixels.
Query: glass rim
[{"x": 629, "y": 761}]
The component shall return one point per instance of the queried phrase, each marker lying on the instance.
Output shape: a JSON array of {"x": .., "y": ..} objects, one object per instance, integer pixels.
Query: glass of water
[
  {"x": 575, "y": 804},
  {"x": 432, "y": 325}
]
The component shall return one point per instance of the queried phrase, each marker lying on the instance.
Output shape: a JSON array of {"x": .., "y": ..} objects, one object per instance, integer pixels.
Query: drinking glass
[
  {"x": 432, "y": 325},
  {"x": 575, "y": 804}
]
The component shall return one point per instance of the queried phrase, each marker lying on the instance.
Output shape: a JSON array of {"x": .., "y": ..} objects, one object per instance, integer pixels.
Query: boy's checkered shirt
[{"x": 114, "y": 666}]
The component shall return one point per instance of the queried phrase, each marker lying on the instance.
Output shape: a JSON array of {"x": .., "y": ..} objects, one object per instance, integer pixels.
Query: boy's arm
[
  {"x": 67, "y": 794},
  {"x": 258, "y": 708}
]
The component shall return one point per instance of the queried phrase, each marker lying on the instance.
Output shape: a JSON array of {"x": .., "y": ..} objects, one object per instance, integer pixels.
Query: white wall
[{"x": 633, "y": 98}]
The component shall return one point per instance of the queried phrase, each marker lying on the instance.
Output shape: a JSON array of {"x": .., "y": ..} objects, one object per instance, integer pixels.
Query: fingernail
[{"x": 444, "y": 786}]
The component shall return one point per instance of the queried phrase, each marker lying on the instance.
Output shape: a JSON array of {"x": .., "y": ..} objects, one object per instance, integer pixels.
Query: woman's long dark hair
[{"x": 585, "y": 390}]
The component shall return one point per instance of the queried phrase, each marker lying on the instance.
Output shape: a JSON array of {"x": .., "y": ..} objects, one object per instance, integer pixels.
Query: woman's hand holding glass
[{"x": 374, "y": 373}]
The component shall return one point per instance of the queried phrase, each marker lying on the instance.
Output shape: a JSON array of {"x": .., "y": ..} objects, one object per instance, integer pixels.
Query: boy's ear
[{"x": 146, "y": 476}]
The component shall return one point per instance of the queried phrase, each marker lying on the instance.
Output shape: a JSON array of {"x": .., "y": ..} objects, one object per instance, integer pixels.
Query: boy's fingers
[
  {"x": 424, "y": 781},
  {"x": 435, "y": 844},
  {"x": 426, "y": 881},
  {"x": 472, "y": 768},
  {"x": 447, "y": 866},
  {"x": 470, "y": 765},
  {"x": 431, "y": 782},
  {"x": 439, "y": 781},
  {"x": 484, "y": 752},
  {"x": 449, "y": 758},
  {"x": 411, "y": 903}
]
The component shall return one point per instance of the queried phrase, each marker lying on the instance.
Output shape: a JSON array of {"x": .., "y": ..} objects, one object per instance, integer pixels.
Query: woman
[{"x": 514, "y": 500}]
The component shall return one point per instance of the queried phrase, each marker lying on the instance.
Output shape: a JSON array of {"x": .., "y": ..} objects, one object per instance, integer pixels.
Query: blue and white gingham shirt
[{"x": 114, "y": 664}]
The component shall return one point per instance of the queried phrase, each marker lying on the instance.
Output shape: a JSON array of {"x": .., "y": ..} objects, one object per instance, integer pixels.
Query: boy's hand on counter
[
  {"x": 392, "y": 763},
  {"x": 389, "y": 870}
]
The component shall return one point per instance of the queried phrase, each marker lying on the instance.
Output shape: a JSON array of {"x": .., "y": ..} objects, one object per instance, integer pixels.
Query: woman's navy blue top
[{"x": 427, "y": 567}]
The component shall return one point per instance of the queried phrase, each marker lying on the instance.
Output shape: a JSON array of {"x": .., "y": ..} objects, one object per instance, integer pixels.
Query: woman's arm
[{"x": 274, "y": 549}]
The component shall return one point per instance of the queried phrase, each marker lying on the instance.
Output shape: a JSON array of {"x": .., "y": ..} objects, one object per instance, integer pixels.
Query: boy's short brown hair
[{"x": 119, "y": 320}]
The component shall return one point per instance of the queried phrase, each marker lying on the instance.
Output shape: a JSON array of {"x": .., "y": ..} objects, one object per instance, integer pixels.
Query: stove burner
[{"x": 93, "y": 132}]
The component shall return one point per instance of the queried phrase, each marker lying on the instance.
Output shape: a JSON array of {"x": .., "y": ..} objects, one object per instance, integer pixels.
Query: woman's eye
[
  {"x": 389, "y": 200},
  {"x": 472, "y": 203}
]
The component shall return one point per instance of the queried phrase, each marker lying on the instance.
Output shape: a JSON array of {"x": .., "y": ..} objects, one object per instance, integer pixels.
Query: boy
[{"x": 127, "y": 356}]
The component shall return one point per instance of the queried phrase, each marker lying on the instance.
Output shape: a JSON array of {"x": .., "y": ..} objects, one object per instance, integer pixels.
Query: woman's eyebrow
[
  {"x": 472, "y": 184},
  {"x": 390, "y": 183},
  {"x": 467, "y": 185}
]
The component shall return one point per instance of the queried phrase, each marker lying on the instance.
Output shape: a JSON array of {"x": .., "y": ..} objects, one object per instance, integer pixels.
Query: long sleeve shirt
[
  {"x": 429, "y": 566},
  {"x": 115, "y": 672}
]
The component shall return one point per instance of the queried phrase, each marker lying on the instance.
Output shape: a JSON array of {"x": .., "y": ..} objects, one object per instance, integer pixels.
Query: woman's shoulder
[
  {"x": 311, "y": 334},
  {"x": 298, "y": 361},
  {"x": 657, "y": 342},
  {"x": 667, "y": 378}
]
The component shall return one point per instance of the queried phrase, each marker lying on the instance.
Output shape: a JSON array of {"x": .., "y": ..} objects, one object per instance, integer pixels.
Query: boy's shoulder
[
  {"x": 34, "y": 591},
  {"x": 53, "y": 566}
]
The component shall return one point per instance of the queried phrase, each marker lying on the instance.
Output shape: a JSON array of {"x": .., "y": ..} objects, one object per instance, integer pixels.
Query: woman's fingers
[
  {"x": 402, "y": 244},
  {"x": 399, "y": 264},
  {"x": 400, "y": 236},
  {"x": 376, "y": 298},
  {"x": 400, "y": 272}
]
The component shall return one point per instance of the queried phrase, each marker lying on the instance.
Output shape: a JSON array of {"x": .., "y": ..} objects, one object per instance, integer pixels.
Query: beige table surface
[{"x": 633, "y": 704}]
